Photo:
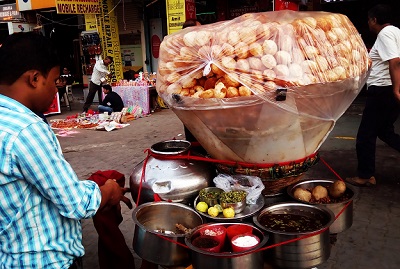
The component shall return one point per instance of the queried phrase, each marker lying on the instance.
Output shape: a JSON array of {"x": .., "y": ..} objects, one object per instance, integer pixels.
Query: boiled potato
[
  {"x": 302, "y": 194},
  {"x": 319, "y": 192},
  {"x": 337, "y": 189}
]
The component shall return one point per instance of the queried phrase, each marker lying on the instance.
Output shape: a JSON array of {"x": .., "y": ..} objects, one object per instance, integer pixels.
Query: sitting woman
[{"x": 112, "y": 102}]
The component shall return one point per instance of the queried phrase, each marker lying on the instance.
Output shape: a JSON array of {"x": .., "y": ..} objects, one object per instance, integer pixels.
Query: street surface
[{"x": 372, "y": 242}]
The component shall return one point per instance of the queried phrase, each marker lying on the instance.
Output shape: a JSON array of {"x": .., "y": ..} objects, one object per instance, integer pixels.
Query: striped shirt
[{"x": 42, "y": 200}]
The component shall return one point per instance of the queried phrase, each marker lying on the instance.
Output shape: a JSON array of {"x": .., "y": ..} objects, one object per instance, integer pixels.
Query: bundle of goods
[{"x": 264, "y": 88}]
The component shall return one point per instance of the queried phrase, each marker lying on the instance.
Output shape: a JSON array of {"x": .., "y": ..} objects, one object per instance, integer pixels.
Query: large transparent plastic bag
[{"x": 264, "y": 87}]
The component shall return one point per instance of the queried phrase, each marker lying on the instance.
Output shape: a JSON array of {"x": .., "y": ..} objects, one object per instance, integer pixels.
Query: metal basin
[
  {"x": 345, "y": 220},
  {"x": 227, "y": 260},
  {"x": 153, "y": 221},
  {"x": 307, "y": 252}
]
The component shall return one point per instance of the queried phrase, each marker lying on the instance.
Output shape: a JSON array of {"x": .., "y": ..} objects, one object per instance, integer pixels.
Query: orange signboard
[{"x": 24, "y": 5}]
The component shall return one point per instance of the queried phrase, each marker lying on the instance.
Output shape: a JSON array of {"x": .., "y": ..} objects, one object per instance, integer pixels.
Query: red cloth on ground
[{"x": 112, "y": 249}]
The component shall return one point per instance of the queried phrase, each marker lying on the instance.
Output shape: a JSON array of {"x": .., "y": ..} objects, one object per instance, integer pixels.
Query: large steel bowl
[
  {"x": 307, "y": 252},
  {"x": 345, "y": 220},
  {"x": 153, "y": 221},
  {"x": 227, "y": 260}
]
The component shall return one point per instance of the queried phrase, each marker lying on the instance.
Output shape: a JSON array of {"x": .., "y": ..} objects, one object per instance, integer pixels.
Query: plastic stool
[
  {"x": 68, "y": 90},
  {"x": 65, "y": 97}
]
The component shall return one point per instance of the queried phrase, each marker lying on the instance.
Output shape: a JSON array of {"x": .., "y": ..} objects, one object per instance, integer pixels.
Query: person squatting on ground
[
  {"x": 382, "y": 106},
  {"x": 100, "y": 72},
  {"x": 112, "y": 102},
  {"x": 42, "y": 199}
]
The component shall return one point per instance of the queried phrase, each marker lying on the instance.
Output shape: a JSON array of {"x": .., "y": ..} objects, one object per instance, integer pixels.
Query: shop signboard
[
  {"x": 190, "y": 9},
  {"x": 236, "y": 12},
  {"x": 77, "y": 7},
  {"x": 107, "y": 26},
  {"x": 178, "y": 11},
  {"x": 9, "y": 13},
  {"x": 90, "y": 22},
  {"x": 25, "y": 5},
  {"x": 16, "y": 27},
  {"x": 286, "y": 5},
  {"x": 175, "y": 15}
]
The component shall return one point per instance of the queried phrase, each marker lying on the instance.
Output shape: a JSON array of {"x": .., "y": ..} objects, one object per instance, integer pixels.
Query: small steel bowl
[
  {"x": 210, "y": 201},
  {"x": 237, "y": 207}
]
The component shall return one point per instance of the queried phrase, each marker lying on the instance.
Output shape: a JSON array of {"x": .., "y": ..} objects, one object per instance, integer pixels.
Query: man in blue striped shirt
[{"x": 41, "y": 198}]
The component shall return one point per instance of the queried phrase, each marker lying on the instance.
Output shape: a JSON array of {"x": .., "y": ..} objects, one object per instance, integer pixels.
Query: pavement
[{"x": 372, "y": 242}]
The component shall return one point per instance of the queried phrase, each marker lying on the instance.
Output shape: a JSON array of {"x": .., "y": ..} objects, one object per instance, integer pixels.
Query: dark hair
[
  {"x": 189, "y": 23},
  {"x": 107, "y": 87},
  {"x": 382, "y": 13},
  {"x": 110, "y": 58},
  {"x": 22, "y": 52}
]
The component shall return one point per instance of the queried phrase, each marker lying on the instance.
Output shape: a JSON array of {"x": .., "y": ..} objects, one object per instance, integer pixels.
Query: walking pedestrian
[{"x": 382, "y": 106}]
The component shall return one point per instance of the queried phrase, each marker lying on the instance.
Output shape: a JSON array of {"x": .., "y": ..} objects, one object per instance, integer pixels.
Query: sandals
[{"x": 361, "y": 182}]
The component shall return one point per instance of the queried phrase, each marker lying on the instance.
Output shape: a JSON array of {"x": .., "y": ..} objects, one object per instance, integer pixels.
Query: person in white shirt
[
  {"x": 382, "y": 106},
  {"x": 100, "y": 71}
]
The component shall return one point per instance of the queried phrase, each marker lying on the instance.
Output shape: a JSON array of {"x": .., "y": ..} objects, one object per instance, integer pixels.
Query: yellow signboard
[
  {"x": 78, "y": 6},
  {"x": 91, "y": 22},
  {"x": 176, "y": 15},
  {"x": 108, "y": 30}
]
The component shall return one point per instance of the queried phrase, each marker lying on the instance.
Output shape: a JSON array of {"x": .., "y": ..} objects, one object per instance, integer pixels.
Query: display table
[{"x": 135, "y": 95}]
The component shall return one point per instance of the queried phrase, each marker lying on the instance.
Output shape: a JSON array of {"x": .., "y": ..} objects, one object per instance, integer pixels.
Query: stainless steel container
[
  {"x": 153, "y": 221},
  {"x": 345, "y": 220},
  {"x": 227, "y": 260},
  {"x": 307, "y": 252},
  {"x": 173, "y": 180}
]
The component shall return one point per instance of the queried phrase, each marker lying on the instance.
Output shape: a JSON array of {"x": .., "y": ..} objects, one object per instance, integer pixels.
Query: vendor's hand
[{"x": 112, "y": 194}]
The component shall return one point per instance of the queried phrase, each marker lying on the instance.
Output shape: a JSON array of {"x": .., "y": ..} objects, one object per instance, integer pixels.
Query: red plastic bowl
[
  {"x": 207, "y": 243},
  {"x": 238, "y": 229},
  {"x": 216, "y": 231}
]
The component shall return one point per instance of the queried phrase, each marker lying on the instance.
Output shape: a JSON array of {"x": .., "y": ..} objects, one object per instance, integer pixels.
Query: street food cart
[{"x": 260, "y": 93}]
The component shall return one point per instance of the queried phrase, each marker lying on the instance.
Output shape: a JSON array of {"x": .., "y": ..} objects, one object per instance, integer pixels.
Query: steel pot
[
  {"x": 156, "y": 220},
  {"x": 307, "y": 252},
  {"x": 227, "y": 260},
  {"x": 173, "y": 180},
  {"x": 345, "y": 220}
]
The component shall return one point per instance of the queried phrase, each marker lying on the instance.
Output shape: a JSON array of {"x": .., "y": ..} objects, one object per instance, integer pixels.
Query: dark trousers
[
  {"x": 93, "y": 88},
  {"x": 380, "y": 112}
]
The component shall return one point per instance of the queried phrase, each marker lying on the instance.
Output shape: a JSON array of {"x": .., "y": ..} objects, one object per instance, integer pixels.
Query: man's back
[{"x": 114, "y": 101}]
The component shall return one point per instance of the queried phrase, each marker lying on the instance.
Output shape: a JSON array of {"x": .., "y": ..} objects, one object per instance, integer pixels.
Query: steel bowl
[
  {"x": 155, "y": 228},
  {"x": 227, "y": 259},
  {"x": 345, "y": 220},
  {"x": 237, "y": 207},
  {"x": 210, "y": 201},
  {"x": 307, "y": 252}
]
